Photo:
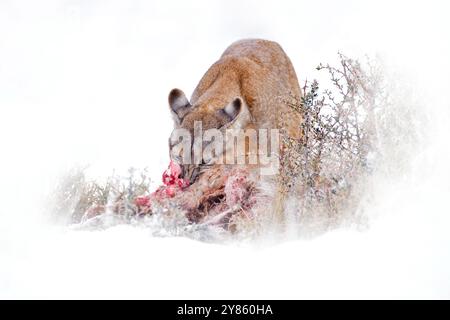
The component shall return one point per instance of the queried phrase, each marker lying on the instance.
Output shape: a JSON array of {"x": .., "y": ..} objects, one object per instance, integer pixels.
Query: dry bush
[
  {"x": 75, "y": 195},
  {"x": 351, "y": 129},
  {"x": 338, "y": 144}
]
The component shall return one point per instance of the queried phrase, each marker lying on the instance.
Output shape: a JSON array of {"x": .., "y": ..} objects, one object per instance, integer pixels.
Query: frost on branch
[{"x": 353, "y": 128}]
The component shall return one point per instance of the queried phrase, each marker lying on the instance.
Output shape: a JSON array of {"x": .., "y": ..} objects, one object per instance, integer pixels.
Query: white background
[{"x": 87, "y": 82}]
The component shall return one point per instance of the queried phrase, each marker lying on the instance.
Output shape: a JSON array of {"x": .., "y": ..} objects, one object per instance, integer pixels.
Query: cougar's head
[{"x": 200, "y": 129}]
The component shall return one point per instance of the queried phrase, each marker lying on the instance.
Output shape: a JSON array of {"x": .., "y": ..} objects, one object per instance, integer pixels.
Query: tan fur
[{"x": 260, "y": 73}]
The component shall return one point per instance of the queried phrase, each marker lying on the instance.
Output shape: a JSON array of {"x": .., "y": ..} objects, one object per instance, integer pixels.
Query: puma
[{"x": 246, "y": 88}]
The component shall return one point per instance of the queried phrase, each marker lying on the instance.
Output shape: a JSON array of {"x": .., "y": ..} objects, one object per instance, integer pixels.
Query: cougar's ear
[
  {"x": 179, "y": 104},
  {"x": 237, "y": 112}
]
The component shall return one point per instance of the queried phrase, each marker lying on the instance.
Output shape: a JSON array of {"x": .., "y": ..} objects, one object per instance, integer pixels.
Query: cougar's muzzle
[{"x": 190, "y": 172}]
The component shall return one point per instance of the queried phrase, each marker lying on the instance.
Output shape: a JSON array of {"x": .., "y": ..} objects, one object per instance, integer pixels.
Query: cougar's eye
[{"x": 177, "y": 159}]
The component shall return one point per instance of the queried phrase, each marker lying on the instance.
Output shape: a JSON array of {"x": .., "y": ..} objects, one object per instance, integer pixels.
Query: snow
[{"x": 88, "y": 82}]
